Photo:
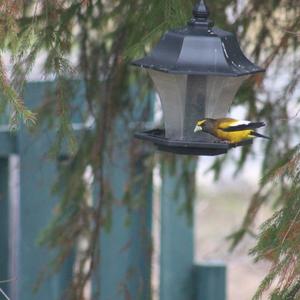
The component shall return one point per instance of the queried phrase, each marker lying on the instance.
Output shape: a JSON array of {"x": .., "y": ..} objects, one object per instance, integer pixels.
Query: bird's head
[{"x": 199, "y": 125}]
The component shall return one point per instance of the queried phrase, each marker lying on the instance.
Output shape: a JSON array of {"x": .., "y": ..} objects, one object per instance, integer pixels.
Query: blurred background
[
  {"x": 219, "y": 210},
  {"x": 89, "y": 212}
]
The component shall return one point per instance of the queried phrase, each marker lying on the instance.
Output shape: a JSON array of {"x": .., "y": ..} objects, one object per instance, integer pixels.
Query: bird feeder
[{"x": 196, "y": 71}]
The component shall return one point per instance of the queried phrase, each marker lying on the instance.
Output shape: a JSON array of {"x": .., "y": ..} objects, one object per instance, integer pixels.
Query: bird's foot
[{"x": 242, "y": 143}]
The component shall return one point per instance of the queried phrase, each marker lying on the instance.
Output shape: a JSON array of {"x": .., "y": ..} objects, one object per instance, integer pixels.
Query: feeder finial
[
  {"x": 200, "y": 10},
  {"x": 201, "y": 14}
]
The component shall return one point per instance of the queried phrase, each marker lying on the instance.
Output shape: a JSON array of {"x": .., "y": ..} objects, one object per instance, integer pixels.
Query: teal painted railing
[{"x": 125, "y": 257}]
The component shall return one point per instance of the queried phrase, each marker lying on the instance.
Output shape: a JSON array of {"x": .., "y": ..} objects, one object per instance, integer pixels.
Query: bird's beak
[{"x": 197, "y": 128}]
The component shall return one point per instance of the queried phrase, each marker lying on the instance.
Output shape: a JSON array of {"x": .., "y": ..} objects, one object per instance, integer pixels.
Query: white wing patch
[{"x": 238, "y": 123}]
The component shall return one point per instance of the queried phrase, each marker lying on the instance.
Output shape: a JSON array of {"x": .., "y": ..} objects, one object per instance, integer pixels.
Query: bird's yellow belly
[{"x": 234, "y": 136}]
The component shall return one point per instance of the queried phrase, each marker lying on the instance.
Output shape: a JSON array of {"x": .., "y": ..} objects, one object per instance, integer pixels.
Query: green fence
[{"x": 125, "y": 271}]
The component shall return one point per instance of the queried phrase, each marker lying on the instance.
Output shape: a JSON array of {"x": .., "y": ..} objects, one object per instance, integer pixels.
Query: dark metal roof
[{"x": 199, "y": 49}]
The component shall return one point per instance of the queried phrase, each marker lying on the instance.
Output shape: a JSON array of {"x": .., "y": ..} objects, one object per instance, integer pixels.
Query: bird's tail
[
  {"x": 256, "y": 124},
  {"x": 260, "y": 135}
]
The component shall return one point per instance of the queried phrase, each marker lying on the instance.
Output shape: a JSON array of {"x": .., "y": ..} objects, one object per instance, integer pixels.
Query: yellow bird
[{"x": 231, "y": 130}]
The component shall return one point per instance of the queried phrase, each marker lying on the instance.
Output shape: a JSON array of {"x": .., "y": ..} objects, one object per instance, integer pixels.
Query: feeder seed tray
[{"x": 204, "y": 145}]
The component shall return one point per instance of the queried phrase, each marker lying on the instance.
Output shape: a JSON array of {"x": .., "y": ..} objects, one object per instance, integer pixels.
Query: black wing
[{"x": 249, "y": 126}]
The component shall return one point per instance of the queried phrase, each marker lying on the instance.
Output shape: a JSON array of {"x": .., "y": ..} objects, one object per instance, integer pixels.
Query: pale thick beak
[{"x": 197, "y": 128}]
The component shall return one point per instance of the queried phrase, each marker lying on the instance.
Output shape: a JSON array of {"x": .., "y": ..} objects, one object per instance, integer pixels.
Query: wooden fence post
[
  {"x": 125, "y": 254},
  {"x": 176, "y": 261},
  {"x": 210, "y": 280},
  {"x": 125, "y": 257},
  {"x": 4, "y": 226}
]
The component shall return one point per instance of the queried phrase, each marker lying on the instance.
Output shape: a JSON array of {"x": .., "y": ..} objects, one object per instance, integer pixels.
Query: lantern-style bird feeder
[{"x": 197, "y": 71}]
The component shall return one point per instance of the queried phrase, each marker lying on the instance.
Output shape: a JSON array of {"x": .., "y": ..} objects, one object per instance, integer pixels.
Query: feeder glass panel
[
  {"x": 220, "y": 92},
  {"x": 186, "y": 99},
  {"x": 171, "y": 89}
]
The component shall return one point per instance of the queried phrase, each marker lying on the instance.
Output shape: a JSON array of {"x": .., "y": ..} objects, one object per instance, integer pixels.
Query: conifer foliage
[{"x": 103, "y": 36}]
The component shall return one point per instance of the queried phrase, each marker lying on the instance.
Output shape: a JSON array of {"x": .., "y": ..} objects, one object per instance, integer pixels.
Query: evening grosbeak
[{"x": 231, "y": 130}]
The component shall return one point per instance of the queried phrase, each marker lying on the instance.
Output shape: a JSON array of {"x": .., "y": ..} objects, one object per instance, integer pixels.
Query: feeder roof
[{"x": 199, "y": 49}]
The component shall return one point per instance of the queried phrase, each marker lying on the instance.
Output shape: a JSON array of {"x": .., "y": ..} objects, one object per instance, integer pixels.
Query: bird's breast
[{"x": 234, "y": 136}]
